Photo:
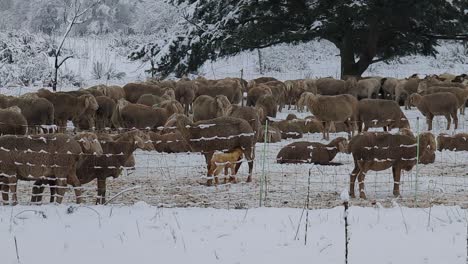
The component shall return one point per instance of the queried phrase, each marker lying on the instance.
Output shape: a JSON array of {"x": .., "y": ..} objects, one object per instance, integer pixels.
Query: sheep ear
[{"x": 139, "y": 142}]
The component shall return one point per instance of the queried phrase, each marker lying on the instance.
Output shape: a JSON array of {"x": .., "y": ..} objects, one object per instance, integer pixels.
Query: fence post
[
  {"x": 263, "y": 177},
  {"x": 417, "y": 162}
]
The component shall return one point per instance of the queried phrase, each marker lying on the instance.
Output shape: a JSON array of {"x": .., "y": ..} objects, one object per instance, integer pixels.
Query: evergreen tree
[{"x": 365, "y": 31}]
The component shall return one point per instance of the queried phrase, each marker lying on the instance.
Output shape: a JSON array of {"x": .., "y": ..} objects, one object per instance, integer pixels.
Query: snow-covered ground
[{"x": 144, "y": 234}]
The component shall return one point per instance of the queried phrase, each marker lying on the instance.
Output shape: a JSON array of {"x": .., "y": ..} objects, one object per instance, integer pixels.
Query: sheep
[
  {"x": 365, "y": 88},
  {"x": 114, "y": 92},
  {"x": 312, "y": 152},
  {"x": 380, "y": 113},
  {"x": 206, "y": 107},
  {"x": 256, "y": 92},
  {"x": 294, "y": 89},
  {"x": 309, "y": 125},
  {"x": 104, "y": 112},
  {"x": 336, "y": 108},
  {"x": 219, "y": 134},
  {"x": 69, "y": 107},
  {"x": 255, "y": 82},
  {"x": 405, "y": 89},
  {"x": 380, "y": 151},
  {"x": 436, "y": 104},
  {"x": 278, "y": 90},
  {"x": 249, "y": 114},
  {"x": 37, "y": 157},
  {"x": 117, "y": 152},
  {"x": 388, "y": 87},
  {"x": 226, "y": 161},
  {"x": 89, "y": 144},
  {"x": 330, "y": 86},
  {"x": 185, "y": 94},
  {"x": 231, "y": 88},
  {"x": 457, "y": 142},
  {"x": 128, "y": 115},
  {"x": 12, "y": 122},
  {"x": 149, "y": 99},
  {"x": 289, "y": 129},
  {"x": 133, "y": 91},
  {"x": 172, "y": 142},
  {"x": 273, "y": 135},
  {"x": 171, "y": 106},
  {"x": 268, "y": 104},
  {"x": 37, "y": 111},
  {"x": 460, "y": 93},
  {"x": 301, "y": 103}
]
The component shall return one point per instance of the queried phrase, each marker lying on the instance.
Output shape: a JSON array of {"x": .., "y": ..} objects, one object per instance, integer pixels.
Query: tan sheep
[
  {"x": 460, "y": 93},
  {"x": 366, "y": 88},
  {"x": 380, "y": 113},
  {"x": 227, "y": 161},
  {"x": 338, "y": 108},
  {"x": 436, "y": 104}
]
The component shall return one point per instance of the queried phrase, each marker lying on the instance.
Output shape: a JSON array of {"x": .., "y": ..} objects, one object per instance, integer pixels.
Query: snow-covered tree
[{"x": 364, "y": 31}]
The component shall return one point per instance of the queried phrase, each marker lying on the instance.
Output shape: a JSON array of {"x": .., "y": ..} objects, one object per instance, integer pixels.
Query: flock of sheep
[{"x": 221, "y": 119}]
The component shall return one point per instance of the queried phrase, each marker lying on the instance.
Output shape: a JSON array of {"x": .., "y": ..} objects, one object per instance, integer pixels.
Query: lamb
[
  {"x": 206, "y": 107},
  {"x": 219, "y": 134},
  {"x": 380, "y": 113},
  {"x": 338, "y": 108},
  {"x": 12, "y": 122},
  {"x": 457, "y": 142},
  {"x": 37, "y": 157},
  {"x": 445, "y": 104},
  {"x": 380, "y": 151},
  {"x": 312, "y": 152},
  {"x": 226, "y": 161}
]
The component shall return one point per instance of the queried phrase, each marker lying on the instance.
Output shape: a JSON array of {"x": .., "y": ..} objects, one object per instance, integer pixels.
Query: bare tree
[{"x": 77, "y": 11}]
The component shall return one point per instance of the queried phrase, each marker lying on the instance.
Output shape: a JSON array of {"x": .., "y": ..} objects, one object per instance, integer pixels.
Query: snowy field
[{"x": 145, "y": 234}]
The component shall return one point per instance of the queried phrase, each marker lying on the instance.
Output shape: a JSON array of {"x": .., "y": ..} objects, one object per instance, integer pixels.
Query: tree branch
[
  {"x": 449, "y": 37},
  {"x": 64, "y": 59}
]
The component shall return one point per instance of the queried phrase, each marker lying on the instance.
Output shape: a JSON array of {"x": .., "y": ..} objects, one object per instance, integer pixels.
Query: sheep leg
[
  {"x": 5, "y": 189},
  {"x": 61, "y": 186},
  {"x": 396, "y": 181},
  {"x": 326, "y": 128},
  {"x": 352, "y": 181},
  {"x": 449, "y": 121},
  {"x": 101, "y": 192},
  {"x": 455, "y": 120},
  {"x": 348, "y": 127},
  {"x": 429, "y": 121},
  {"x": 249, "y": 156},
  {"x": 361, "y": 175},
  {"x": 37, "y": 191},
  {"x": 12, "y": 185},
  {"x": 208, "y": 157}
]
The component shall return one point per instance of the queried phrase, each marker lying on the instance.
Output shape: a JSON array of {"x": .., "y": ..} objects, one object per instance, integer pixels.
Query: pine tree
[{"x": 364, "y": 31}]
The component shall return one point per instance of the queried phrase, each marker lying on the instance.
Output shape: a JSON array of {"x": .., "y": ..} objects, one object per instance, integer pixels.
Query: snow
[{"x": 146, "y": 234}]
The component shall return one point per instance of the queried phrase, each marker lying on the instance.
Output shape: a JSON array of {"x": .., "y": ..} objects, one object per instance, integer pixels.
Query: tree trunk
[
  {"x": 54, "y": 81},
  {"x": 348, "y": 63}
]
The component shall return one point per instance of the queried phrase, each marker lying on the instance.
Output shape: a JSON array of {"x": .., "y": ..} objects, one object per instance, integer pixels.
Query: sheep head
[
  {"x": 422, "y": 86},
  {"x": 89, "y": 102},
  {"x": 442, "y": 141},
  {"x": 415, "y": 99},
  {"x": 142, "y": 140},
  {"x": 223, "y": 105},
  {"x": 427, "y": 148},
  {"x": 169, "y": 94},
  {"x": 89, "y": 143},
  {"x": 341, "y": 144}
]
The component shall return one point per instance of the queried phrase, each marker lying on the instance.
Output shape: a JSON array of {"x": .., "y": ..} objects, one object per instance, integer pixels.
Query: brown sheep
[
  {"x": 268, "y": 104},
  {"x": 435, "y": 104},
  {"x": 278, "y": 90},
  {"x": 338, "y": 108},
  {"x": 273, "y": 135},
  {"x": 302, "y": 102},
  {"x": 226, "y": 161},
  {"x": 330, "y": 86},
  {"x": 185, "y": 94},
  {"x": 380, "y": 113},
  {"x": 256, "y": 82},
  {"x": 12, "y": 122},
  {"x": 56, "y": 156},
  {"x": 380, "y": 151},
  {"x": 37, "y": 111},
  {"x": 169, "y": 143},
  {"x": 288, "y": 129},
  {"x": 405, "y": 89},
  {"x": 104, "y": 112},
  {"x": 366, "y": 88},
  {"x": 309, "y": 125},
  {"x": 206, "y": 107},
  {"x": 149, "y": 99},
  {"x": 114, "y": 92},
  {"x": 388, "y": 87},
  {"x": 457, "y": 142},
  {"x": 460, "y": 93},
  {"x": 249, "y": 114},
  {"x": 231, "y": 88},
  {"x": 69, "y": 107},
  {"x": 130, "y": 116},
  {"x": 172, "y": 107},
  {"x": 219, "y": 134},
  {"x": 133, "y": 91},
  {"x": 312, "y": 152},
  {"x": 256, "y": 92}
]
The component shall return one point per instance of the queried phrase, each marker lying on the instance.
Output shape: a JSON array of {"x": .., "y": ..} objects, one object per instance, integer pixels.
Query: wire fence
[{"x": 179, "y": 179}]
